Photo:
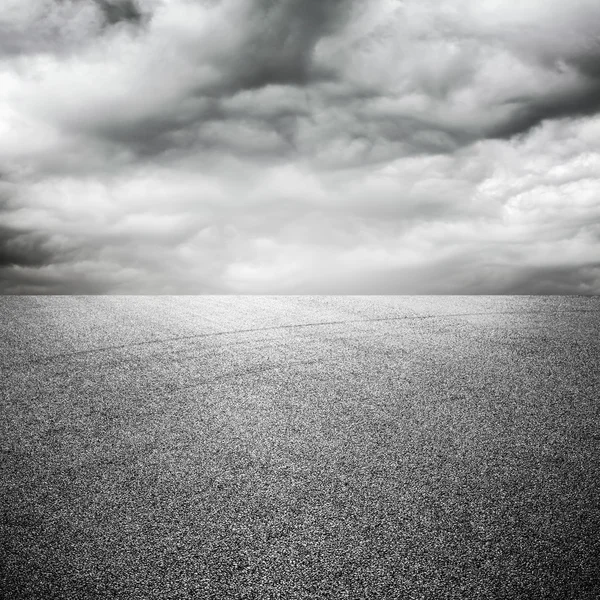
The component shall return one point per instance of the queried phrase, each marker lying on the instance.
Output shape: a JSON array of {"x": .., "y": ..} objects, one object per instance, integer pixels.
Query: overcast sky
[{"x": 300, "y": 146}]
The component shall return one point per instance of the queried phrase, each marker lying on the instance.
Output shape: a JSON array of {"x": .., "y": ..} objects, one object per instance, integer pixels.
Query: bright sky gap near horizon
[{"x": 300, "y": 146}]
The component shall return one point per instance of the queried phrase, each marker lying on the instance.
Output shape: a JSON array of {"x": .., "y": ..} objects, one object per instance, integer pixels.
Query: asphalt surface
[{"x": 300, "y": 447}]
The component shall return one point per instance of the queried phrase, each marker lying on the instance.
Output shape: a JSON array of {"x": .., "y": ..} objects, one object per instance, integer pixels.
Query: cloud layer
[{"x": 291, "y": 146}]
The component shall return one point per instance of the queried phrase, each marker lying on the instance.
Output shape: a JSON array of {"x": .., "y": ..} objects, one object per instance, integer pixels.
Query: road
[{"x": 300, "y": 447}]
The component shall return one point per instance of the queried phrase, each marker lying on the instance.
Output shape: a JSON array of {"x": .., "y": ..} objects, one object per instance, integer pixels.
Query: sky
[{"x": 300, "y": 146}]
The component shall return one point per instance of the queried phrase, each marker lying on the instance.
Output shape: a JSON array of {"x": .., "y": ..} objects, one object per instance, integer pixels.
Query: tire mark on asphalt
[
  {"x": 52, "y": 357},
  {"x": 243, "y": 373},
  {"x": 173, "y": 356}
]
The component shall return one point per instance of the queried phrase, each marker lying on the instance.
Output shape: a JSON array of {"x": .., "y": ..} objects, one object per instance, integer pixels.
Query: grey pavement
[{"x": 300, "y": 447}]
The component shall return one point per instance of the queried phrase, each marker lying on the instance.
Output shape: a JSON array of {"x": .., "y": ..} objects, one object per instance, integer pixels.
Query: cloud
[
  {"x": 61, "y": 26},
  {"x": 22, "y": 248},
  {"x": 120, "y": 11},
  {"x": 334, "y": 146}
]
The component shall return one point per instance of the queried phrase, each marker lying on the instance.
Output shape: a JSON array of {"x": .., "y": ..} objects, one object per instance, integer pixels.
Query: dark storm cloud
[
  {"x": 157, "y": 133},
  {"x": 578, "y": 279},
  {"x": 284, "y": 34},
  {"x": 210, "y": 127},
  {"x": 26, "y": 280},
  {"x": 275, "y": 48},
  {"x": 583, "y": 100},
  {"x": 23, "y": 248},
  {"x": 20, "y": 246},
  {"x": 56, "y": 26},
  {"x": 119, "y": 11}
]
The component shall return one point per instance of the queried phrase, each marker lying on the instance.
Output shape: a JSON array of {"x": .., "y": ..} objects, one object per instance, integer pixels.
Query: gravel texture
[{"x": 300, "y": 447}]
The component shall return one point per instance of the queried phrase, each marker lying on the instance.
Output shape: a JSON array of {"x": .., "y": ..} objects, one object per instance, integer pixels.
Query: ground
[{"x": 300, "y": 447}]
